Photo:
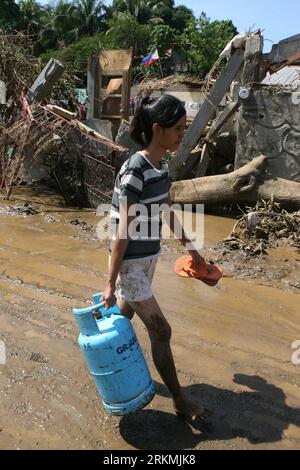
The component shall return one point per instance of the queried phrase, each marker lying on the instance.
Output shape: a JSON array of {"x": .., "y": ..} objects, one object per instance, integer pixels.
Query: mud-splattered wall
[{"x": 269, "y": 123}]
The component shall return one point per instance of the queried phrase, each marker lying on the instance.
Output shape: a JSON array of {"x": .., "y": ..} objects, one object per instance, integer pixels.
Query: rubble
[
  {"x": 173, "y": 81},
  {"x": 44, "y": 83},
  {"x": 256, "y": 118},
  {"x": 226, "y": 134},
  {"x": 18, "y": 69},
  {"x": 289, "y": 75},
  {"x": 205, "y": 113},
  {"x": 23, "y": 209},
  {"x": 64, "y": 149},
  {"x": 262, "y": 227}
]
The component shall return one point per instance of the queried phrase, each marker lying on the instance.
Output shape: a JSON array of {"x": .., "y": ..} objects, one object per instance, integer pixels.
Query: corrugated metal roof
[{"x": 286, "y": 76}]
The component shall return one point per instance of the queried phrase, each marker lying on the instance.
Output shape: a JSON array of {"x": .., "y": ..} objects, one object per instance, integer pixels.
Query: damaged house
[
  {"x": 242, "y": 142},
  {"x": 262, "y": 112},
  {"x": 46, "y": 142}
]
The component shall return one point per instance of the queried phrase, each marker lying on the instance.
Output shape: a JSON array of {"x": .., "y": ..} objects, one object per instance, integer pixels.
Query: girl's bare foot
[{"x": 188, "y": 409}]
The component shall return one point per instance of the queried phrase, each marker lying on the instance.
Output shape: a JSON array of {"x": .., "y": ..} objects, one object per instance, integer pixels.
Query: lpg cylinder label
[{"x": 127, "y": 346}]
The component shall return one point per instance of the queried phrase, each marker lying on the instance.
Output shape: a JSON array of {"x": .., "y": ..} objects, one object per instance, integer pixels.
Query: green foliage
[
  {"x": 10, "y": 15},
  {"x": 181, "y": 17},
  {"x": 90, "y": 15},
  {"x": 125, "y": 31},
  {"x": 31, "y": 16},
  {"x": 71, "y": 29},
  {"x": 162, "y": 37},
  {"x": 142, "y": 10},
  {"x": 75, "y": 56},
  {"x": 207, "y": 40},
  {"x": 59, "y": 27}
]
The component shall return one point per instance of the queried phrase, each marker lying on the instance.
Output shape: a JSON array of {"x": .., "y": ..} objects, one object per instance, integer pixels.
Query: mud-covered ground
[{"x": 232, "y": 343}]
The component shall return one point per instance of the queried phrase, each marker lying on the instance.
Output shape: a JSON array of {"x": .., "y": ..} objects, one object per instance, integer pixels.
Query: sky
[{"x": 278, "y": 19}]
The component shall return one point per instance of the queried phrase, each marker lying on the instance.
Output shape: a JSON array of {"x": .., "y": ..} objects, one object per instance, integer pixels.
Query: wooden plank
[
  {"x": 114, "y": 86},
  {"x": 97, "y": 136},
  {"x": 92, "y": 86},
  {"x": 203, "y": 162},
  {"x": 61, "y": 112},
  {"x": 126, "y": 96},
  {"x": 196, "y": 153},
  {"x": 98, "y": 95},
  {"x": 206, "y": 112},
  {"x": 111, "y": 116},
  {"x": 222, "y": 118},
  {"x": 217, "y": 126}
]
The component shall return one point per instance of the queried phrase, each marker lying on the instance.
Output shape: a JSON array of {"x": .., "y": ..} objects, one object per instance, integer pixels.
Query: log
[{"x": 247, "y": 184}]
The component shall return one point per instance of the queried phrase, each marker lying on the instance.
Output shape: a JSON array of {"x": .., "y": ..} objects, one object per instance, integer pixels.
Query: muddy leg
[
  {"x": 125, "y": 308},
  {"x": 159, "y": 332}
]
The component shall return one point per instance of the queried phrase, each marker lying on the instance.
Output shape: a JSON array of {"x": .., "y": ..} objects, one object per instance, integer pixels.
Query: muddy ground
[{"x": 231, "y": 343}]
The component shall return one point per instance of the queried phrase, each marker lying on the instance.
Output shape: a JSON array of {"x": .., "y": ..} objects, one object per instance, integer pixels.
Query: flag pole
[{"x": 161, "y": 70}]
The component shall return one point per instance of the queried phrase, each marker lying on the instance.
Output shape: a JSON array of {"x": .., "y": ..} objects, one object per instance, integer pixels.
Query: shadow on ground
[{"x": 260, "y": 416}]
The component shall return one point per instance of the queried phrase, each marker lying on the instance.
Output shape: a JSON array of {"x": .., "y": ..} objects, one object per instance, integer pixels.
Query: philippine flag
[{"x": 150, "y": 58}]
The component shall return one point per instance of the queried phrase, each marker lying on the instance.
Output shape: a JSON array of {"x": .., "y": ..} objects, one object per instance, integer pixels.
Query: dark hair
[{"x": 165, "y": 111}]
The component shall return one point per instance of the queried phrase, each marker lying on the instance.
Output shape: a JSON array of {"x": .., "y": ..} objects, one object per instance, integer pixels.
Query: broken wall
[{"x": 269, "y": 124}]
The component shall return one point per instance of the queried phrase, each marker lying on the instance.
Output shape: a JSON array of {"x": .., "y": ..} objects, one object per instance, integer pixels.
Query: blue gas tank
[{"x": 114, "y": 358}]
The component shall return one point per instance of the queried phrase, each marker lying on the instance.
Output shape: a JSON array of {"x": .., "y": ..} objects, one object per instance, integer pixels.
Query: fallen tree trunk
[{"x": 247, "y": 184}]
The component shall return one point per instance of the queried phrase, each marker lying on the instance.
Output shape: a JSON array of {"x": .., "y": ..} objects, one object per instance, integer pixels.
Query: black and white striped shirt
[{"x": 141, "y": 183}]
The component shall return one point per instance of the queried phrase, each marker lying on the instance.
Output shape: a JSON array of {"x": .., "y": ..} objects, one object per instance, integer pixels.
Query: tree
[
  {"x": 207, "y": 40},
  {"x": 125, "y": 31},
  {"x": 90, "y": 14},
  {"x": 59, "y": 26},
  {"x": 75, "y": 56},
  {"x": 31, "y": 15},
  {"x": 164, "y": 10},
  {"x": 10, "y": 15},
  {"x": 181, "y": 17},
  {"x": 142, "y": 10},
  {"x": 162, "y": 38}
]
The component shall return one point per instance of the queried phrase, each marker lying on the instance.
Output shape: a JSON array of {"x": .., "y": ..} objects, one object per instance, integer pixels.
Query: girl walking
[{"x": 144, "y": 180}]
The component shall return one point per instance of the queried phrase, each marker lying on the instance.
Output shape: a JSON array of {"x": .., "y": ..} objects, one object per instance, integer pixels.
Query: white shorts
[{"x": 135, "y": 278}]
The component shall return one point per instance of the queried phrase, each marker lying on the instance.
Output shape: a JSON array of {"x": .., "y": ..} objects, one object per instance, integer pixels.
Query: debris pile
[
  {"x": 23, "y": 209},
  {"x": 151, "y": 82},
  {"x": 45, "y": 145},
  {"x": 241, "y": 117},
  {"x": 18, "y": 68},
  {"x": 263, "y": 227},
  {"x": 242, "y": 145}
]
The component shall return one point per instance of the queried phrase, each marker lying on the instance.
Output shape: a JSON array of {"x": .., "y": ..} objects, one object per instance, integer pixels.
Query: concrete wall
[
  {"x": 284, "y": 49},
  {"x": 192, "y": 97},
  {"x": 269, "y": 123}
]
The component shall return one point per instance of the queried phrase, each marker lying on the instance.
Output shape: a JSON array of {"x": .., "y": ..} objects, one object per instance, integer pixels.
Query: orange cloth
[{"x": 184, "y": 267}]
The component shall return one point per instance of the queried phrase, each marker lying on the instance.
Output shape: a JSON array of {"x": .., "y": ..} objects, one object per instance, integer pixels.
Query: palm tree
[
  {"x": 144, "y": 10},
  {"x": 59, "y": 25},
  {"x": 90, "y": 13},
  {"x": 31, "y": 13}
]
